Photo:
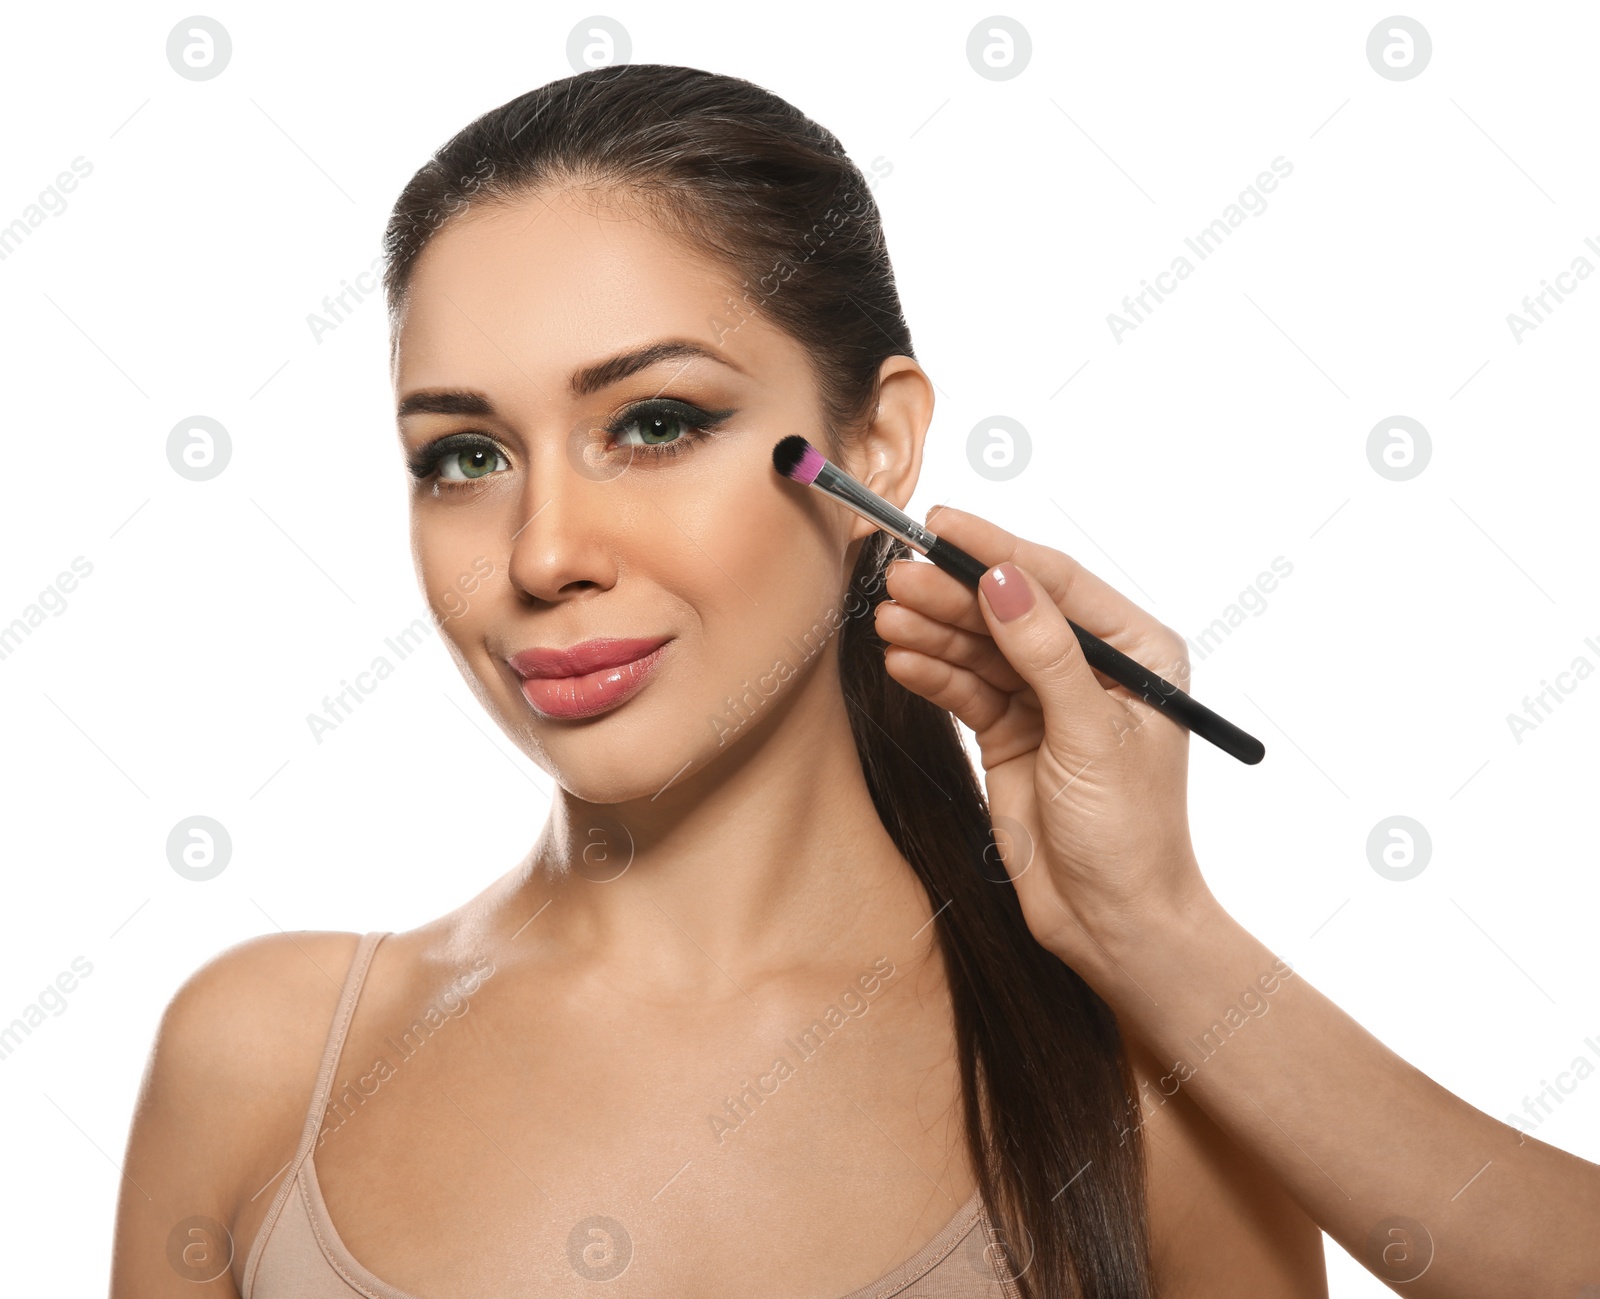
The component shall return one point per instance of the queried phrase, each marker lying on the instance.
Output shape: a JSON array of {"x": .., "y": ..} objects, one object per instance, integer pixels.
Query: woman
[{"x": 763, "y": 1010}]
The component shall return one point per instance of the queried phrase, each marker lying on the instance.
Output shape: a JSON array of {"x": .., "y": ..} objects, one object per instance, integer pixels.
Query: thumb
[{"x": 1034, "y": 636}]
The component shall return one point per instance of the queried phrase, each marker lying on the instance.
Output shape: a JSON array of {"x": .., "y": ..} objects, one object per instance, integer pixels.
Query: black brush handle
[{"x": 1154, "y": 690}]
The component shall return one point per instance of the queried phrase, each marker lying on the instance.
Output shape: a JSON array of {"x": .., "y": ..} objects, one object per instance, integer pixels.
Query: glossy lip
[
  {"x": 625, "y": 668},
  {"x": 583, "y": 658}
]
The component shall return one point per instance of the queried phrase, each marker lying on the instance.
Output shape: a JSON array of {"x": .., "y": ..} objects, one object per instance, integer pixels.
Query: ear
[{"x": 887, "y": 457}]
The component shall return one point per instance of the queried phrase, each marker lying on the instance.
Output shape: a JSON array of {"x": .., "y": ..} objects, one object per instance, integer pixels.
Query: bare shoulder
[
  {"x": 223, "y": 1098},
  {"x": 1220, "y": 1223},
  {"x": 241, "y": 1021}
]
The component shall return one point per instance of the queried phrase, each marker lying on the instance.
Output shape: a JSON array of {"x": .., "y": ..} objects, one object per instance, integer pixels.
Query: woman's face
[{"x": 562, "y": 510}]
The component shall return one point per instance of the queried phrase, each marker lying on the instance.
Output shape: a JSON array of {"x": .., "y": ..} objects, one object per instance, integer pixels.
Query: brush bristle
[{"x": 796, "y": 458}]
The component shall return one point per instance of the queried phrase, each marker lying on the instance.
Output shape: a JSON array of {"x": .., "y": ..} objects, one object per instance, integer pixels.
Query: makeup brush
[{"x": 796, "y": 458}]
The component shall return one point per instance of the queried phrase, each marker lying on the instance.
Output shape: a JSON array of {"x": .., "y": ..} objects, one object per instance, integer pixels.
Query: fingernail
[{"x": 1009, "y": 594}]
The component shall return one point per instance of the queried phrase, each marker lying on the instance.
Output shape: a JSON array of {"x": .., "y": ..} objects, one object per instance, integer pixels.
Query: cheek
[
  {"x": 781, "y": 603},
  {"x": 456, "y": 572},
  {"x": 772, "y": 562}
]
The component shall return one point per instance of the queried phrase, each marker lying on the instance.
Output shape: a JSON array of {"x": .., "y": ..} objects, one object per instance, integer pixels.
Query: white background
[{"x": 1228, "y": 429}]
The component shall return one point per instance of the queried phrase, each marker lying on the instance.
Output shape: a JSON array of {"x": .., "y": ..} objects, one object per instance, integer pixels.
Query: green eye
[
  {"x": 658, "y": 428},
  {"x": 473, "y": 462},
  {"x": 664, "y": 423},
  {"x": 458, "y": 458}
]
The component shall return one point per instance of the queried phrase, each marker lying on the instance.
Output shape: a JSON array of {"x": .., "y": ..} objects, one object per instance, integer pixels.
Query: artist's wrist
[{"x": 1148, "y": 939}]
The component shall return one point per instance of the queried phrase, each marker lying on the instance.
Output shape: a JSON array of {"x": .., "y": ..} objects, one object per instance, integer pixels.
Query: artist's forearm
[{"x": 1358, "y": 1136}]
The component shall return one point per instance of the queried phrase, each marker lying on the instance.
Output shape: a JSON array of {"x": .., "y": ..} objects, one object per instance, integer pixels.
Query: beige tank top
[{"x": 298, "y": 1254}]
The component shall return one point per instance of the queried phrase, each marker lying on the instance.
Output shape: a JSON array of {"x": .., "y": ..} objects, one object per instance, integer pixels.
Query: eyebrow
[{"x": 582, "y": 382}]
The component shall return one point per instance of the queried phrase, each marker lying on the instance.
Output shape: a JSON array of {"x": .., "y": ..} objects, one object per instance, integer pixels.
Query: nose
[{"x": 562, "y": 539}]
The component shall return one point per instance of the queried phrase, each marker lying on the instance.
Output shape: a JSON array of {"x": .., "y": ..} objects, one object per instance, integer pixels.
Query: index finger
[{"x": 1092, "y": 603}]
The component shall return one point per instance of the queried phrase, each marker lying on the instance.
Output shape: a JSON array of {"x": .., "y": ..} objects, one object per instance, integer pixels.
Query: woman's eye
[
  {"x": 458, "y": 459},
  {"x": 660, "y": 427},
  {"x": 654, "y": 425},
  {"x": 470, "y": 463},
  {"x": 670, "y": 425}
]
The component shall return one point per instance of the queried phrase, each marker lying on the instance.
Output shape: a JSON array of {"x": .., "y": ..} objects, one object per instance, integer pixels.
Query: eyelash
[{"x": 698, "y": 424}]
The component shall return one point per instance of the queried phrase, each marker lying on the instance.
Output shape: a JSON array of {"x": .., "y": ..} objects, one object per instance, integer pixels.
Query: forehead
[{"x": 555, "y": 280}]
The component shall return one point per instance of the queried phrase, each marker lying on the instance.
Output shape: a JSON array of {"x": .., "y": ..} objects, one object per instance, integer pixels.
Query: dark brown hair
[{"x": 769, "y": 194}]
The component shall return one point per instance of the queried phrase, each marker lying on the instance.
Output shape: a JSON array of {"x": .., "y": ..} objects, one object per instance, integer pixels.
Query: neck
[{"x": 770, "y": 858}]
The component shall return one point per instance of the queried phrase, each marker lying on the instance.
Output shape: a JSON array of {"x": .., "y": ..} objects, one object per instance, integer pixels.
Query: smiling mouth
[{"x": 590, "y": 693}]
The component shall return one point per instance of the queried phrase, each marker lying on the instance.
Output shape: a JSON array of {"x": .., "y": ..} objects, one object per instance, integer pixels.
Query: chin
[{"x": 617, "y": 758}]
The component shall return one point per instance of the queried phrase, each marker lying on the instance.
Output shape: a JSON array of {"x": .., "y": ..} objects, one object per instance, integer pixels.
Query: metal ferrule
[{"x": 867, "y": 503}]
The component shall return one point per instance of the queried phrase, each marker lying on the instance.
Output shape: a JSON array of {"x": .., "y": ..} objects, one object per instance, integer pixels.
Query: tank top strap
[
  {"x": 337, "y": 1030},
  {"x": 342, "y": 1016}
]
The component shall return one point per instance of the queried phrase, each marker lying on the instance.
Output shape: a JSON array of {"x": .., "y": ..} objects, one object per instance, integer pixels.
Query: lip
[
  {"x": 589, "y": 678},
  {"x": 586, "y": 656}
]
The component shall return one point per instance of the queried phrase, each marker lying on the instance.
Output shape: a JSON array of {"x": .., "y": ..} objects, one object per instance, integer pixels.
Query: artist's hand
[{"x": 1095, "y": 778}]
